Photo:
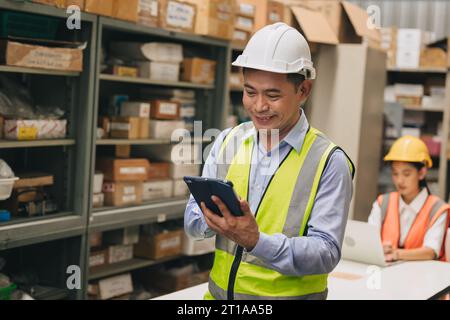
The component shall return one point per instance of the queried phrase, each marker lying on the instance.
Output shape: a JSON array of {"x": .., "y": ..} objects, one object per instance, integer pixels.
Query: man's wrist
[{"x": 252, "y": 246}]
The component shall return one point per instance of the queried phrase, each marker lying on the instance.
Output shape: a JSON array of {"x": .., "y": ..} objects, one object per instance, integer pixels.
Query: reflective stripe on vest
[
  {"x": 432, "y": 209},
  {"x": 284, "y": 212}
]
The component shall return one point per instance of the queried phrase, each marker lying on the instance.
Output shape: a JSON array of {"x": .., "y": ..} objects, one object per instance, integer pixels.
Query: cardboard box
[
  {"x": 164, "y": 110},
  {"x": 161, "y": 71},
  {"x": 68, "y": 3},
  {"x": 97, "y": 259},
  {"x": 103, "y": 7},
  {"x": 199, "y": 70},
  {"x": 123, "y": 169},
  {"x": 34, "y": 129},
  {"x": 95, "y": 239},
  {"x": 180, "y": 188},
  {"x": 275, "y": 12},
  {"x": 123, "y": 71},
  {"x": 178, "y": 171},
  {"x": 125, "y": 236},
  {"x": 151, "y": 51},
  {"x": 163, "y": 129},
  {"x": 410, "y": 39},
  {"x": 433, "y": 58},
  {"x": 122, "y": 151},
  {"x": 125, "y": 127},
  {"x": 148, "y": 12},
  {"x": 33, "y": 179},
  {"x": 158, "y": 170},
  {"x": 241, "y": 37},
  {"x": 160, "y": 246},
  {"x": 98, "y": 200},
  {"x": 347, "y": 21},
  {"x": 177, "y": 15},
  {"x": 155, "y": 190},
  {"x": 193, "y": 247},
  {"x": 115, "y": 286},
  {"x": 215, "y": 18},
  {"x": 120, "y": 253},
  {"x": 126, "y": 10},
  {"x": 135, "y": 109},
  {"x": 122, "y": 193},
  {"x": 245, "y": 23},
  {"x": 254, "y": 9},
  {"x": 178, "y": 279}
]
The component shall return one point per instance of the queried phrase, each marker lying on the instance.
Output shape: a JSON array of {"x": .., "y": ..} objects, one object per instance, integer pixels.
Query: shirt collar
[
  {"x": 418, "y": 202},
  {"x": 294, "y": 138}
]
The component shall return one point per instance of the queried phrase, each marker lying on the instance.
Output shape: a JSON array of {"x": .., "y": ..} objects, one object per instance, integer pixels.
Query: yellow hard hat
[{"x": 409, "y": 149}]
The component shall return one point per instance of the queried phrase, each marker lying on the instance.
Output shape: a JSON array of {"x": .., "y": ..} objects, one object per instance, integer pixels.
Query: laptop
[{"x": 362, "y": 243}]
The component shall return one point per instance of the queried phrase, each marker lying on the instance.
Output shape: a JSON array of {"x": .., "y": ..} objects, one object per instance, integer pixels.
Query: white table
[{"x": 356, "y": 281}]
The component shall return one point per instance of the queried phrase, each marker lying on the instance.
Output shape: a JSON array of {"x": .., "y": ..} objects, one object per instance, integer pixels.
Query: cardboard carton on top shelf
[
  {"x": 103, "y": 7},
  {"x": 148, "y": 12},
  {"x": 126, "y": 10},
  {"x": 215, "y": 18},
  {"x": 177, "y": 15}
]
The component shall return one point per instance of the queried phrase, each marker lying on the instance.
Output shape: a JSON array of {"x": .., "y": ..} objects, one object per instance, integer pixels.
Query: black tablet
[{"x": 203, "y": 188}]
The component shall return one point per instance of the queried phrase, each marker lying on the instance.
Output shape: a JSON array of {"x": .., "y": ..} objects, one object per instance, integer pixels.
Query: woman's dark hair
[{"x": 423, "y": 182}]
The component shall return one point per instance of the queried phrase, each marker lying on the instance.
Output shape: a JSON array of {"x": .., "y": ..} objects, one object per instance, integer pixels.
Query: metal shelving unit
[
  {"x": 178, "y": 84},
  {"x": 5, "y": 144}
]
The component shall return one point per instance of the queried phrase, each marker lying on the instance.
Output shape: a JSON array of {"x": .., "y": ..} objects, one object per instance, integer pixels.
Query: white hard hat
[{"x": 278, "y": 48}]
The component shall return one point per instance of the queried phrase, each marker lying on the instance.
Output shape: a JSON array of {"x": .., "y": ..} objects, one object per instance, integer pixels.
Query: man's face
[{"x": 271, "y": 100}]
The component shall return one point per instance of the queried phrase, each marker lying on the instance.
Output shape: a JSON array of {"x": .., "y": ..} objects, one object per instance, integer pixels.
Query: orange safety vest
[{"x": 428, "y": 215}]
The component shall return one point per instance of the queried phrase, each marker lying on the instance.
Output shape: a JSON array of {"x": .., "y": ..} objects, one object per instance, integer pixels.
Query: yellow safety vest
[{"x": 285, "y": 208}]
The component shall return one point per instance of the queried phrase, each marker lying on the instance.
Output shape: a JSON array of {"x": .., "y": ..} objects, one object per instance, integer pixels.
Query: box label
[
  {"x": 180, "y": 15},
  {"x": 129, "y": 198},
  {"x": 168, "y": 108},
  {"x": 170, "y": 243},
  {"x": 120, "y": 126},
  {"x": 133, "y": 170},
  {"x": 97, "y": 260},
  {"x": 129, "y": 190},
  {"x": 27, "y": 133},
  {"x": 244, "y": 23},
  {"x": 247, "y": 9}
]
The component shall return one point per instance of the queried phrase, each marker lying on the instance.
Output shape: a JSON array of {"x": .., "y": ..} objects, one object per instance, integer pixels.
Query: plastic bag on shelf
[
  {"x": 5, "y": 170},
  {"x": 15, "y": 100},
  {"x": 49, "y": 112}
]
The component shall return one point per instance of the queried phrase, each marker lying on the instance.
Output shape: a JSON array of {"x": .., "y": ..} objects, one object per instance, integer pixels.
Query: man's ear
[
  {"x": 422, "y": 173},
  {"x": 305, "y": 88}
]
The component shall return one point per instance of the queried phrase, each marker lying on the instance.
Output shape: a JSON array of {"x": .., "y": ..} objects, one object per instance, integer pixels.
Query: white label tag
[
  {"x": 132, "y": 170},
  {"x": 180, "y": 15},
  {"x": 161, "y": 218},
  {"x": 170, "y": 243},
  {"x": 129, "y": 198},
  {"x": 129, "y": 190},
  {"x": 168, "y": 108}
]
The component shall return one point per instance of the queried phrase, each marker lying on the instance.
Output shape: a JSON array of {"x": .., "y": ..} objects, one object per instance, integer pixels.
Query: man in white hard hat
[{"x": 295, "y": 185}]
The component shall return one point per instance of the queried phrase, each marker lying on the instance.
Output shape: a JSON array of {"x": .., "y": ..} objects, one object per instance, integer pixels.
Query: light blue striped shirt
[{"x": 320, "y": 250}]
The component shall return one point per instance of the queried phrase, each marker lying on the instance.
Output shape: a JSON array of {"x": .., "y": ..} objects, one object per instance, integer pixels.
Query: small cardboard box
[
  {"x": 33, "y": 179},
  {"x": 95, "y": 239},
  {"x": 123, "y": 71},
  {"x": 148, "y": 12},
  {"x": 163, "y": 129},
  {"x": 103, "y": 7},
  {"x": 165, "y": 110},
  {"x": 160, "y": 246},
  {"x": 433, "y": 58},
  {"x": 245, "y": 23},
  {"x": 125, "y": 236},
  {"x": 122, "y": 151},
  {"x": 35, "y": 129},
  {"x": 161, "y": 71},
  {"x": 68, "y": 3},
  {"x": 122, "y": 193},
  {"x": 275, "y": 12},
  {"x": 115, "y": 286},
  {"x": 199, "y": 70},
  {"x": 135, "y": 109},
  {"x": 155, "y": 190},
  {"x": 177, "y": 15},
  {"x": 97, "y": 258},
  {"x": 120, "y": 253},
  {"x": 158, "y": 170},
  {"x": 125, "y": 127},
  {"x": 126, "y": 10},
  {"x": 215, "y": 18},
  {"x": 98, "y": 200},
  {"x": 178, "y": 171},
  {"x": 123, "y": 169}
]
